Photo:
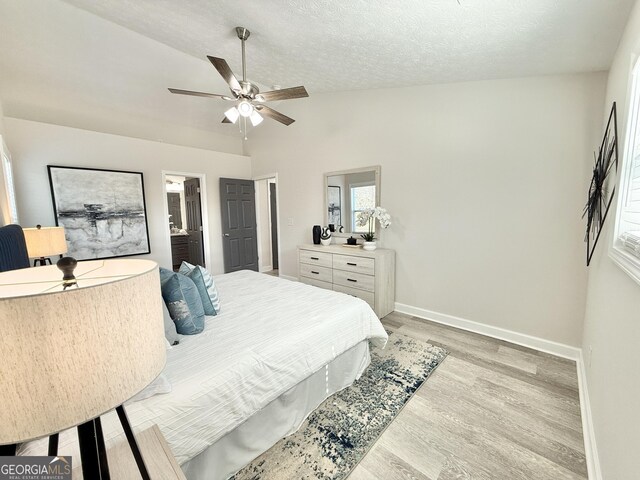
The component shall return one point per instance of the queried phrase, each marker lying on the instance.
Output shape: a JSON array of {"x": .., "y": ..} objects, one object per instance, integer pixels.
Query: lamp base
[
  {"x": 94, "y": 453},
  {"x": 8, "y": 450},
  {"x": 68, "y": 265},
  {"x": 42, "y": 261}
]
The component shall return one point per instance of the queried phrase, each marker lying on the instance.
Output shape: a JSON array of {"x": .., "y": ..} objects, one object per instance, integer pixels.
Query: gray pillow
[{"x": 169, "y": 326}]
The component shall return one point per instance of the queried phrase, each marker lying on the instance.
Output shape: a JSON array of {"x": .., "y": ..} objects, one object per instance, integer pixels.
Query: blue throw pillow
[
  {"x": 207, "y": 288},
  {"x": 183, "y": 301}
]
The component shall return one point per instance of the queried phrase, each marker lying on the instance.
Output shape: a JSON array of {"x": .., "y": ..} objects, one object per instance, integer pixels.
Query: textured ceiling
[
  {"x": 106, "y": 65},
  {"x": 360, "y": 44}
]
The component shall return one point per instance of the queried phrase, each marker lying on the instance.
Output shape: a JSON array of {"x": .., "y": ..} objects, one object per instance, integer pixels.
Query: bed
[{"x": 273, "y": 354}]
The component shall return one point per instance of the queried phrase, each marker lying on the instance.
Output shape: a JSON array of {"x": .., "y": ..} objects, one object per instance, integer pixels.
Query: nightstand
[{"x": 156, "y": 453}]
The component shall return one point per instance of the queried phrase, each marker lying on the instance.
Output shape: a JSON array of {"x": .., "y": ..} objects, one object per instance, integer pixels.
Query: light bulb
[
  {"x": 232, "y": 114},
  {"x": 256, "y": 118},
  {"x": 245, "y": 108}
]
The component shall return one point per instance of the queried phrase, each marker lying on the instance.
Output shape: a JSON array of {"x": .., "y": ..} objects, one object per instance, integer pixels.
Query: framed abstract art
[
  {"x": 603, "y": 185},
  {"x": 103, "y": 212}
]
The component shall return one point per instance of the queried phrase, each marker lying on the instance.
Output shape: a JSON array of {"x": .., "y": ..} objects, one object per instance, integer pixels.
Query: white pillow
[{"x": 159, "y": 385}]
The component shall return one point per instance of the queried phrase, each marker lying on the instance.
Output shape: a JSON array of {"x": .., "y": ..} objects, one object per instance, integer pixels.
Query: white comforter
[{"x": 270, "y": 335}]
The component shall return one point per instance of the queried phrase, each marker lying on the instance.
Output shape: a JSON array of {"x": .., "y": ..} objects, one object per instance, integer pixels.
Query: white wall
[
  {"x": 1, "y": 119},
  {"x": 35, "y": 145},
  {"x": 485, "y": 182},
  {"x": 612, "y": 321},
  {"x": 264, "y": 225},
  {"x": 4, "y": 206}
]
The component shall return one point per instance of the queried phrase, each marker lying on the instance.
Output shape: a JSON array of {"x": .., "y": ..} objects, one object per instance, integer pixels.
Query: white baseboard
[
  {"x": 548, "y": 346},
  {"x": 288, "y": 277},
  {"x": 266, "y": 268},
  {"x": 590, "y": 448},
  {"x": 536, "y": 343}
]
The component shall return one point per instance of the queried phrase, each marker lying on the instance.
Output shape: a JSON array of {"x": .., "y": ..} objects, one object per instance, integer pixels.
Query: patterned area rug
[{"x": 335, "y": 437}]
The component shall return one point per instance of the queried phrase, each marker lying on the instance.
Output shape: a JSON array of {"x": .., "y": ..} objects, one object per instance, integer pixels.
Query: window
[
  {"x": 363, "y": 197},
  {"x": 626, "y": 239},
  {"x": 8, "y": 208}
]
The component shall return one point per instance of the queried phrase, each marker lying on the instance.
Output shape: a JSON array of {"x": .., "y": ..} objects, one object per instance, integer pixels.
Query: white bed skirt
[{"x": 278, "y": 419}]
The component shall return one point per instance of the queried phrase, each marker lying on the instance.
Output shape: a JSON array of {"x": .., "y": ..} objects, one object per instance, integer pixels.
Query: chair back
[{"x": 13, "y": 248}]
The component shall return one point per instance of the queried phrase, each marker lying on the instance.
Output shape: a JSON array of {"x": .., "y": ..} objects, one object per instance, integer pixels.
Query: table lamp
[
  {"x": 73, "y": 355},
  {"x": 43, "y": 242}
]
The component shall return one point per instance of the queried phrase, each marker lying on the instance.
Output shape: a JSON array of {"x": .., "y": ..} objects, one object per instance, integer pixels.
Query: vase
[
  {"x": 369, "y": 246},
  {"x": 317, "y": 230},
  {"x": 325, "y": 241}
]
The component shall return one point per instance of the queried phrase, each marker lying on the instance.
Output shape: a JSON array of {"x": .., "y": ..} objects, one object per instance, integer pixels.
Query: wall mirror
[{"x": 348, "y": 192}]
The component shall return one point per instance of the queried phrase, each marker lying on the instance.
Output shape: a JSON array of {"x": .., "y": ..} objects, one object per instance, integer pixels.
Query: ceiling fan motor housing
[{"x": 249, "y": 89}]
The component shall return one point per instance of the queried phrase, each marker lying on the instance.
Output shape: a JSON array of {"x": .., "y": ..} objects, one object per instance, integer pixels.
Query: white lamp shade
[
  {"x": 232, "y": 114},
  {"x": 244, "y": 108},
  {"x": 70, "y": 356},
  {"x": 45, "y": 241},
  {"x": 256, "y": 118}
]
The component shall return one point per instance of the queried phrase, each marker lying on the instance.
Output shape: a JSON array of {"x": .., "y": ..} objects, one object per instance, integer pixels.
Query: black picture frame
[
  {"x": 334, "y": 216},
  {"x": 103, "y": 211},
  {"x": 602, "y": 188}
]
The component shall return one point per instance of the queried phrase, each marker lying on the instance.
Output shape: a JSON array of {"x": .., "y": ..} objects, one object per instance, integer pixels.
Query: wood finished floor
[{"x": 492, "y": 410}]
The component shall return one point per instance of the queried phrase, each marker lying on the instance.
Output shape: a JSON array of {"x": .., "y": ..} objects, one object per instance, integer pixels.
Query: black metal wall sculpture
[{"x": 603, "y": 186}]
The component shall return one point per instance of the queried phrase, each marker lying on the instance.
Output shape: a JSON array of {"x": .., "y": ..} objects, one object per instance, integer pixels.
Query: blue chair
[{"x": 13, "y": 248}]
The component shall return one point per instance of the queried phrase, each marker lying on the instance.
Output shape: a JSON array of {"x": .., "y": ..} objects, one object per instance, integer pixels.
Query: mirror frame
[{"x": 375, "y": 168}]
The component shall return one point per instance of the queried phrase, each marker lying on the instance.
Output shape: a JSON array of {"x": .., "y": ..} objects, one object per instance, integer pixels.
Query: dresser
[{"x": 369, "y": 275}]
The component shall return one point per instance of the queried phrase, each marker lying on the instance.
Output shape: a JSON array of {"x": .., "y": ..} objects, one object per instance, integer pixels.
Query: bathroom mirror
[{"x": 346, "y": 193}]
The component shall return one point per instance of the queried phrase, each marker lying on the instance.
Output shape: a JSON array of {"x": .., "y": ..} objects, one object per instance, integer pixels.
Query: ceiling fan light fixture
[
  {"x": 232, "y": 114},
  {"x": 245, "y": 108},
  {"x": 256, "y": 118}
]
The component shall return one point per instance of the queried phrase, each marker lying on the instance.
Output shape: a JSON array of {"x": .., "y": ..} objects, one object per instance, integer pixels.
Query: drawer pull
[
  {"x": 352, "y": 280},
  {"x": 317, "y": 273},
  {"x": 315, "y": 258},
  {"x": 352, "y": 264}
]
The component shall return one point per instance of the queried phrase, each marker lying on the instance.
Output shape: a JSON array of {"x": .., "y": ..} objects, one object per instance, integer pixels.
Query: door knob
[{"x": 225, "y": 235}]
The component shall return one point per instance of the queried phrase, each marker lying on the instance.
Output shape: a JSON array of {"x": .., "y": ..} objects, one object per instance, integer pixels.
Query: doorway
[
  {"x": 267, "y": 224},
  {"x": 186, "y": 218}
]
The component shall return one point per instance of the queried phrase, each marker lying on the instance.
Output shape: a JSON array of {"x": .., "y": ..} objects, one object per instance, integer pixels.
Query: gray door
[
  {"x": 194, "y": 220},
  {"x": 274, "y": 226},
  {"x": 239, "y": 241}
]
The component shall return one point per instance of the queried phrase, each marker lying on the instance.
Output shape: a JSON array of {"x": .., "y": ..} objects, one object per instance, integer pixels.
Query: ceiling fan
[{"x": 249, "y": 102}]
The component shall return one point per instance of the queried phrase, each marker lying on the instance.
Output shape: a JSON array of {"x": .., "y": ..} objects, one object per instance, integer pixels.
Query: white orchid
[{"x": 369, "y": 216}]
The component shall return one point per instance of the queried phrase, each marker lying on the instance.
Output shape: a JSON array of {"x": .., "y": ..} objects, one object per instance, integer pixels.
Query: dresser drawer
[
  {"x": 354, "y": 292},
  {"x": 314, "y": 271},
  {"x": 316, "y": 283},
  {"x": 316, "y": 258},
  {"x": 354, "y": 264},
  {"x": 353, "y": 280},
  {"x": 179, "y": 239},
  {"x": 180, "y": 249}
]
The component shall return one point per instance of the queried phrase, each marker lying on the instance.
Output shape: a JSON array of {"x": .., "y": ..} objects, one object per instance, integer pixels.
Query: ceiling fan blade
[
  {"x": 271, "y": 113},
  {"x": 199, "y": 94},
  {"x": 223, "y": 69},
  {"x": 226, "y": 120},
  {"x": 284, "y": 94}
]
